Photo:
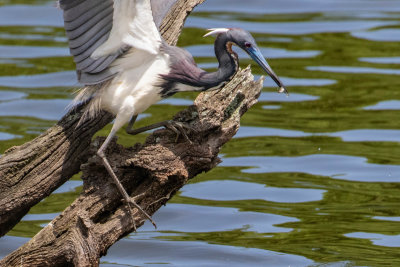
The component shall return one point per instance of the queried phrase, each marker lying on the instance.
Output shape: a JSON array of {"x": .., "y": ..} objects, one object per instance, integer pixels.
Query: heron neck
[
  {"x": 184, "y": 75},
  {"x": 227, "y": 59}
]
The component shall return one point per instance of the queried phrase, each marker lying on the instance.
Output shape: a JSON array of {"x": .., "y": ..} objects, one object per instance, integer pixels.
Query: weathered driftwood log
[{"x": 31, "y": 172}]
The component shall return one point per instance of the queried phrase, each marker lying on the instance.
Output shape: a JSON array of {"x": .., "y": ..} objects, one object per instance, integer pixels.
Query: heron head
[{"x": 246, "y": 41}]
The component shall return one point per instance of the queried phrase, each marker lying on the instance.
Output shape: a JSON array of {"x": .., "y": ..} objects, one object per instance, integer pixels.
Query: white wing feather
[{"x": 133, "y": 26}]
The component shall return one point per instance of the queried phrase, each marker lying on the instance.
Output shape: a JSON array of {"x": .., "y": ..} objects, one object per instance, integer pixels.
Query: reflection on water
[
  {"x": 299, "y": 82},
  {"x": 60, "y": 79},
  {"x": 355, "y": 70},
  {"x": 395, "y": 219},
  {"x": 6, "y": 136},
  {"x": 381, "y": 60},
  {"x": 175, "y": 219},
  {"x": 392, "y": 35},
  {"x": 292, "y": 28},
  {"x": 326, "y": 7},
  {"x": 52, "y": 109},
  {"x": 235, "y": 190},
  {"x": 369, "y": 135},
  {"x": 10, "y": 95},
  {"x": 335, "y": 166},
  {"x": 8, "y": 51},
  {"x": 28, "y": 15},
  {"x": 383, "y": 105},
  {"x": 194, "y": 253},
  {"x": 294, "y": 97},
  {"x": 378, "y": 239},
  {"x": 310, "y": 179}
]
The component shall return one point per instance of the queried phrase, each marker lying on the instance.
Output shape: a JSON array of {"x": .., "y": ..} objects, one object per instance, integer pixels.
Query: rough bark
[
  {"x": 30, "y": 172},
  {"x": 151, "y": 173}
]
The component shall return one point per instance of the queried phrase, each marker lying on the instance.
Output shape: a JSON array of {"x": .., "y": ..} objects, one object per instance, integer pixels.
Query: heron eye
[{"x": 248, "y": 45}]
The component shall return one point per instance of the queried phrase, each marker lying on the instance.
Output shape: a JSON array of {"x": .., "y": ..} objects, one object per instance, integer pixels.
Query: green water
[{"x": 310, "y": 180}]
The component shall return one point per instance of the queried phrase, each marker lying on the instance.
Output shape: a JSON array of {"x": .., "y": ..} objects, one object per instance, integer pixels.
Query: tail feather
[{"x": 90, "y": 95}]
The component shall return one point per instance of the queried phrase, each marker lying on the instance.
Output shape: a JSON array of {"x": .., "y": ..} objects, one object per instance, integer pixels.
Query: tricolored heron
[{"x": 126, "y": 66}]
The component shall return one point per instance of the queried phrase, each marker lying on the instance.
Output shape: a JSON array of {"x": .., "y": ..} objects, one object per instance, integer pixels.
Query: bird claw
[
  {"x": 131, "y": 213},
  {"x": 179, "y": 128},
  {"x": 132, "y": 204}
]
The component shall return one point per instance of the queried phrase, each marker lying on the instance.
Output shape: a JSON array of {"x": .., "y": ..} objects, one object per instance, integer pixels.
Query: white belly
[{"x": 136, "y": 86}]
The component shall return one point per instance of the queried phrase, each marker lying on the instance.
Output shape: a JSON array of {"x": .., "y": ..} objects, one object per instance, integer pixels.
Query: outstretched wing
[
  {"x": 160, "y": 9},
  {"x": 101, "y": 31}
]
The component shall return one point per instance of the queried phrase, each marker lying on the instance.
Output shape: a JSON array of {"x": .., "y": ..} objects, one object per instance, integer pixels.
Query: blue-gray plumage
[
  {"x": 126, "y": 66},
  {"x": 183, "y": 69}
]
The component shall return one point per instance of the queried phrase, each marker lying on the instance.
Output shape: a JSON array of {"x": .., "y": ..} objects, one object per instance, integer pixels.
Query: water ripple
[
  {"x": 381, "y": 60},
  {"x": 385, "y": 105},
  {"x": 248, "y": 131},
  {"x": 55, "y": 79},
  {"x": 386, "y": 35},
  {"x": 370, "y": 135},
  {"x": 292, "y": 6},
  {"x": 10, "y": 95},
  {"x": 359, "y": 135},
  {"x": 33, "y": 37},
  {"x": 387, "y": 218},
  {"x": 299, "y": 82},
  {"x": 378, "y": 239},
  {"x": 194, "y": 253},
  {"x": 52, "y": 109},
  {"x": 28, "y": 15},
  {"x": 236, "y": 190},
  {"x": 7, "y": 136},
  {"x": 290, "y": 28},
  {"x": 293, "y": 97},
  {"x": 7, "y": 51},
  {"x": 174, "y": 217},
  {"x": 334, "y": 166},
  {"x": 353, "y": 70}
]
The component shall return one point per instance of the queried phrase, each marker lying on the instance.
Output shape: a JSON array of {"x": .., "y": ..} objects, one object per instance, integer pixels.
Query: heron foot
[
  {"x": 179, "y": 128},
  {"x": 130, "y": 202}
]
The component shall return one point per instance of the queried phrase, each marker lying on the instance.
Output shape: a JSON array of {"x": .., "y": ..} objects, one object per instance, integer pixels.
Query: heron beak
[{"x": 259, "y": 58}]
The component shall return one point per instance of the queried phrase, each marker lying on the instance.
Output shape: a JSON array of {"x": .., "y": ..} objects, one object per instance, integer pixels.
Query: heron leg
[
  {"x": 115, "y": 179},
  {"x": 178, "y": 128}
]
